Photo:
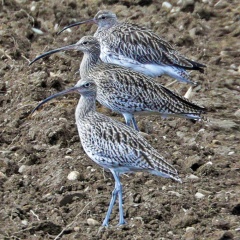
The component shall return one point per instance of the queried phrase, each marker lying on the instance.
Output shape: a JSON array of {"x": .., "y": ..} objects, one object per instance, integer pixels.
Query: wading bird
[
  {"x": 126, "y": 91},
  {"x": 113, "y": 145},
  {"x": 139, "y": 48}
]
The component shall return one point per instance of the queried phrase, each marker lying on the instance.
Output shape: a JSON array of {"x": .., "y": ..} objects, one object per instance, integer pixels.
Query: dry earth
[{"x": 38, "y": 152}]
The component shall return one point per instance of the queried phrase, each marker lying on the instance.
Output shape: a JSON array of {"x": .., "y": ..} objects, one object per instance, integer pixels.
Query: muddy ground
[{"x": 38, "y": 152}]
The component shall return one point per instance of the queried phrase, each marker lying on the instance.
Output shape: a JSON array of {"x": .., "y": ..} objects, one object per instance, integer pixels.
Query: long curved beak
[
  {"x": 73, "y": 89},
  {"x": 76, "y": 24},
  {"x": 66, "y": 48}
]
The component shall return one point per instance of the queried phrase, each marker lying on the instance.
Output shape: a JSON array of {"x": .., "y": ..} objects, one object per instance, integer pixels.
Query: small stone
[
  {"x": 92, "y": 222},
  {"x": 166, "y": 6},
  {"x": 185, "y": 3},
  {"x": 22, "y": 168},
  {"x": 205, "y": 192},
  {"x": 192, "y": 177},
  {"x": 3, "y": 176},
  {"x": 190, "y": 229},
  {"x": 199, "y": 195},
  {"x": 37, "y": 31},
  {"x": 76, "y": 229},
  {"x": 175, "y": 10},
  {"x": 192, "y": 32},
  {"x": 149, "y": 182},
  {"x": 237, "y": 113},
  {"x": 221, "y": 4},
  {"x": 69, "y": 150},
  {"x": 216, "y": 142},
  {"x": 24, "y": 222},
  {"x": 175, "y": 193},
  {"x": 74, "y": 175}
]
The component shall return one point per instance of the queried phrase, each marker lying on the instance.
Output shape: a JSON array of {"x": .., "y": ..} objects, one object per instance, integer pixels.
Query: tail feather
[{"x": 193, "y": 66}]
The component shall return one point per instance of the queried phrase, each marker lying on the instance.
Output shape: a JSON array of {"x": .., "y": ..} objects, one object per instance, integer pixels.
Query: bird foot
[{"x": 122, "y": 223}]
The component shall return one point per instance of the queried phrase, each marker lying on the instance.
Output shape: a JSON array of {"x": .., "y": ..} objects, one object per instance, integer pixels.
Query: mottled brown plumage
[
  {"x": 139, "y": 48},
  {"x": 113, "y": 145},
  {"x": 126, "y": 91}
]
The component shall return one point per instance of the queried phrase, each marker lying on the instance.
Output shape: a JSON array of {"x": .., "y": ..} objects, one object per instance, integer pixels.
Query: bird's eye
[
  {"x": 85, "y": 43},
  {"x": 86, "y": 85},
  {"x": 103, "y": 17}
]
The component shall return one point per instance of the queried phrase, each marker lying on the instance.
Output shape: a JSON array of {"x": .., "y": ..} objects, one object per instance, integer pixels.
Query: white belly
[{"x": 152, "y": 70}]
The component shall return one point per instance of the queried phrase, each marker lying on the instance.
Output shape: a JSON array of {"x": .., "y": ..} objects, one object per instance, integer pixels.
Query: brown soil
[{"x": 38, "y": 152}]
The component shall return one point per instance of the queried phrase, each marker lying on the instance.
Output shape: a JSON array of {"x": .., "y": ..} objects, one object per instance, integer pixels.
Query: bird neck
[
  {"x": 86, "y": 106},
  {"x": 107, "y": 25},
  {"x": 90, "y": 60}
]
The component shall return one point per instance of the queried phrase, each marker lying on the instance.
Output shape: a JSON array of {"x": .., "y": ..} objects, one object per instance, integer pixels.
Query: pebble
[
  {"x": 69, "y": 150},
  {"x": 22, "y": 168},
  {"x": 216, "y": 142},
  {"x": 24, "y": 222},
  {"x": 92, "y": 222},
  {"x": 199, "y": 195},
  {"x": 190, "y": 229},
  {"x": 237, "y": 113},
  {"x": 37, "y": 31},
  {"x": 175, "y": 193},
  {"x": 166, "y": 6},
  {"x": 193, "y": 177},
  {"x": 205, "y": 192},
  {"x": 184, "y": 3},
  {"x": 76, "y": 229},
  {"x": 175, "y": 10},
  {"x": 221, "y": 4},
  {"x": 2, "y": 176},
  {"x": 74, "y": 175}
]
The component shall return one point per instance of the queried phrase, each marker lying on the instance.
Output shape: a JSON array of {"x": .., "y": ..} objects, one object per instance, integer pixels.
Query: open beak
[
  {"x": 76, "y": 24},
  {"x": 73, "y": 89},
  {"x": 66, "y": 48}
]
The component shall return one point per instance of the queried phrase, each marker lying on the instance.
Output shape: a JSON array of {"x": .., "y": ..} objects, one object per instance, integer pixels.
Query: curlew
[
  {"x": 139, "y": 48},
  {"x": 126, "y": 91},
  {"x": 113, "y": 145}
]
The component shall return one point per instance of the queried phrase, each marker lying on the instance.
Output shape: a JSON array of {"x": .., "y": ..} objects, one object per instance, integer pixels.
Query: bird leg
[
  {"x": 129, "y": 119},
  {"x": 120, "y": 201},
  {"x": 117, "y": 190},
  {"x": 113, "y": 199},
  {"x": 134, "y": 123}
]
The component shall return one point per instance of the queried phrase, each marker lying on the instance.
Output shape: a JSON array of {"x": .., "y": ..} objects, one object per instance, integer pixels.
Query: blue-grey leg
[
  {"x": 129, "y": 119},
  {"x": 111, "y": 204},
  {"x": 117, "y": 190},
  {"x": 120, "y": 202},
  {"x": 134, "y": 123}
]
